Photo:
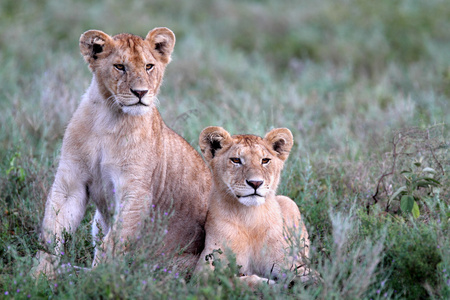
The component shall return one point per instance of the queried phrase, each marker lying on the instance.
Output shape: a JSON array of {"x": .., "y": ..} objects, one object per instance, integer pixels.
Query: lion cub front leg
[
  {"x": 298, "y": 235},
  {"x": 124, "y": 225},
  {"x": 294, "y": 229},
  {"x": 64, "y": 210}
]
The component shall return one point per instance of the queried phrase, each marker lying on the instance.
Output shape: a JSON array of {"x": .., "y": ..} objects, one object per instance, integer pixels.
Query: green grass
[{"x": 347, "y": 77}]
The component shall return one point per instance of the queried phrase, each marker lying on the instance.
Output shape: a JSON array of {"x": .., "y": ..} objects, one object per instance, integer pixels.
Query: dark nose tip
[
  {"x": 139, "y": 93},
  {"x": 255, "y": 183}
]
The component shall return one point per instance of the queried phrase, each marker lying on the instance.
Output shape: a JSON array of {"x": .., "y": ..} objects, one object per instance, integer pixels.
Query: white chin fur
[
  {"x": 136, "y": 110},
  {"x": 252, "y": 200}
]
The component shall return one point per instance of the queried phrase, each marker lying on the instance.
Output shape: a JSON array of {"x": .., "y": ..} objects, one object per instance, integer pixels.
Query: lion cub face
[
  {"x": 128, "y": 68},
  {"x": 246, "y": 167}
]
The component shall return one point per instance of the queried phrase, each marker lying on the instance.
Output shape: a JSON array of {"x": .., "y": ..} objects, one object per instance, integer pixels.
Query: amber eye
[
  {"x": 265, "y": 161},
  {"x": 148, "y": 67},
  {"x": 120, "y": 67},
  {"x": 235, "y": 160}
]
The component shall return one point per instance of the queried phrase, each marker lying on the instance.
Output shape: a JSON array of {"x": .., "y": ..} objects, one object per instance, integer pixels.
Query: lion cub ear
[
  {"x": 162, "y": 40},
  {"x": 95, "y": 44},
  {"x": 211, "y": 140},
  {"x": 281, "y": 141}
]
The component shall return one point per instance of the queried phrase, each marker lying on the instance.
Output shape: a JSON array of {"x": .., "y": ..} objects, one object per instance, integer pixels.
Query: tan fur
[
  {"x": 118, "y": 152},
  {"x": 255, "y": 228}
]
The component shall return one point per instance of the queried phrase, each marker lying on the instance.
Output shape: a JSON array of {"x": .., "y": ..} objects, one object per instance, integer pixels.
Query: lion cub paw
[{"x": 254, "y": 280}]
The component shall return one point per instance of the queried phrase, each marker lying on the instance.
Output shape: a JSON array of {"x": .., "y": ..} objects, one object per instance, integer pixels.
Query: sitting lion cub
[
  {"x": 245, "y": 215},
  {"x": 118, "y": 153}
]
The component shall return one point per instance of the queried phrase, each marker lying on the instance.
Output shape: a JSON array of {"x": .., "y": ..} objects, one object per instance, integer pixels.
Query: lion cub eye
[
  {"x": 265, "y": 161},
  {"x": 235, "y": 160},
  {"x": 120, "y": 67},
  {"x": 148, "y": 67}
]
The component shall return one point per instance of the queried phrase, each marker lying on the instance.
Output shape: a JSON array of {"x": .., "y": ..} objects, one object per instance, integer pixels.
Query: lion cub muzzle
[
  {"x": 253, "y": 187},
  {"x": 139, "y": 93},
  {"x": 255, "y": 183}
]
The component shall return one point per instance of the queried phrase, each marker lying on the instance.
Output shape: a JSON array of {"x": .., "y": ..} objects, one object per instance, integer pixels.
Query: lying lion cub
[
  {"x": 118, "y": 153},
  {"x": 245, "y": 215}
]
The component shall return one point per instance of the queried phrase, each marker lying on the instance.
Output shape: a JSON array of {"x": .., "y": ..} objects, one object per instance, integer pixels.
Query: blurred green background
[{"x": 363, "y": 85}]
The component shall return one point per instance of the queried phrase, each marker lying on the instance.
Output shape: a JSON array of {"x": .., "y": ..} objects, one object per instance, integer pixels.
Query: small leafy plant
[
  {"x": 16, "y": 170},
  {"x": 419, "y": 186}
]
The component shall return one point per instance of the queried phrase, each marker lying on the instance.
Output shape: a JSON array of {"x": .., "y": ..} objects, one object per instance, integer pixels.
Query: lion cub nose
[
  {"x": 139, "y": 93},
  {"x": 255, "y": 183}
]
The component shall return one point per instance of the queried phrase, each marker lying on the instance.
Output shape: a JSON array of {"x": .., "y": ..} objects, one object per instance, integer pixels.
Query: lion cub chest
[
  {"x": 119, "y": 160},
  {"x": 255, "y": 237}
]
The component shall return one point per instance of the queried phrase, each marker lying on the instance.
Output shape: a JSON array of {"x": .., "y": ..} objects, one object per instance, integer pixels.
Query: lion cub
[
  {"x": 119, "y": 154},
  {"x": 245, "y": 215}
]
